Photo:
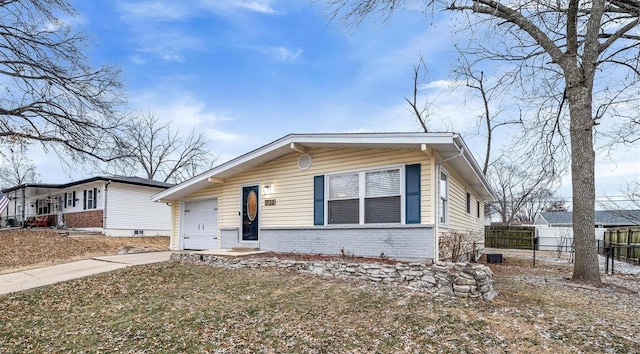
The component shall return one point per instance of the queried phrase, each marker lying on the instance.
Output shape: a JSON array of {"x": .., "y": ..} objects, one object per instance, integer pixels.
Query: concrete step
[{"x": 245, "y": 249}]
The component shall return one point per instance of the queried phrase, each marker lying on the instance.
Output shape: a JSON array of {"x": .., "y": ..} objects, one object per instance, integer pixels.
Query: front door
[
  {"x": 200, "y": 225},
  {"x": 250, "y": 213}
]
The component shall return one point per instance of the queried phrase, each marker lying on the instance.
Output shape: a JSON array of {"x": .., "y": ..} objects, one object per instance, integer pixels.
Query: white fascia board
[
  {"x": 374, "y": 138},
  {"x": 214, "y": 172},
  {"x": 471, "y": 161}
]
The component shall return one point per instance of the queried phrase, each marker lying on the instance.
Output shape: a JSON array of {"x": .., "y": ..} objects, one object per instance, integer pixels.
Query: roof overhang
[{"x": 446, "y": 145}]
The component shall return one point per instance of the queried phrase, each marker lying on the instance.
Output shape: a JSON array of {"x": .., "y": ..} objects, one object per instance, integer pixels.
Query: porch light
[{"x": 266, "y": 189}]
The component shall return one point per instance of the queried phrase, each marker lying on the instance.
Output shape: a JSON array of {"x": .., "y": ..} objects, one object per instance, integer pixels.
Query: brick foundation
[{"x": 93, "y": 218}]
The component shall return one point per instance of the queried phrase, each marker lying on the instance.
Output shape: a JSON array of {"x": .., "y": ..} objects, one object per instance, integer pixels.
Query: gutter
[
  {"x": 104, "y": 212},
  {"x": 436, "y": 248}
]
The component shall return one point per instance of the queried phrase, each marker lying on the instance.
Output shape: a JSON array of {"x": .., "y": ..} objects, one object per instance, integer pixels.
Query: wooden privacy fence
[
  {"x": 515, "y": 237},
  {"x": 625, "y": 241}
]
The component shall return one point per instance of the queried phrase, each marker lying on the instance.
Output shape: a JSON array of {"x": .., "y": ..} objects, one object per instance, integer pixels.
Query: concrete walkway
[{"x": 28, "y": 279}]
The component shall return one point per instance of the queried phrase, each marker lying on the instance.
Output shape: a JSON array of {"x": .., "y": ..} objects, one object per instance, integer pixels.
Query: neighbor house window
[
  {"x": 70, "y": 199},
  {"x": 90, "y": 198},
  {"x": 444, "y": 197},
  {"x": 365, "y": 197},
  {"x": 468, "y": 203},
  {"x": 44, "y": 206}
]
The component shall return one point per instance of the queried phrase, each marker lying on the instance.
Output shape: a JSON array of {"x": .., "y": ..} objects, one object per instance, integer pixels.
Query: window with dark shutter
[{"x": 318, "y": 200}]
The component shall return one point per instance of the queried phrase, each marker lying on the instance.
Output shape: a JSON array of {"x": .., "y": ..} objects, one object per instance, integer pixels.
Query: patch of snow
[{"x": 619, "y": 267}]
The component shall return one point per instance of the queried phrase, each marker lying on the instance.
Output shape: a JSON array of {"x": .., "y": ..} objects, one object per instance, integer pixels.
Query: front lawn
[{"x": 172, "y": 307}]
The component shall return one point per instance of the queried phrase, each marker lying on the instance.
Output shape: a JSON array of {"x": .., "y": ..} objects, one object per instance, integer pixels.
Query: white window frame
[
  {"x": 362, "y": 192},
  {"x": 443, "y": 218},
  {"x": 90, "y": 199}
]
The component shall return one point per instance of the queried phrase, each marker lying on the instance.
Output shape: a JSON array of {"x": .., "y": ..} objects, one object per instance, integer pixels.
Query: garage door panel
[{"x": 200, "y": 225}]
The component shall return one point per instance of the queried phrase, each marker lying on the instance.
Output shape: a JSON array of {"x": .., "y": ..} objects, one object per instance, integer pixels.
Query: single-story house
[
  {"x": 363, "y": 194},
  {"x": 604, "y": 218},
  {"x": 554, "y": 229},
  {"x": 115, "y": 206}
]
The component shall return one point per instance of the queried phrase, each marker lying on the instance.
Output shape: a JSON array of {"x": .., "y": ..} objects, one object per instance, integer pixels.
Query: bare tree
[
  {"x": 626, "y": 205},
  {"x": 17, "y": 168},
  {"x": 50, "y": 93},
  {"x": 158, "y": 152},
  {"x": 545, "y": 201},
  {"x": 562, "y": 45},
  {"x": 489, "y": 93},
  {"x": 517, "y": 187},
  {"x": 421, "y": 111}
]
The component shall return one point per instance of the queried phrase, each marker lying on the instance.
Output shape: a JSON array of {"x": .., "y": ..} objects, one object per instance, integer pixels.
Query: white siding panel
[{"x": 130, "y": 208}]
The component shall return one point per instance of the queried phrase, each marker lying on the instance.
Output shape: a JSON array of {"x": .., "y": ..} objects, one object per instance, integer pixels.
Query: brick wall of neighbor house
[
  {"x": 409, "y": 242},
  {"x": 84, "y": 219}
]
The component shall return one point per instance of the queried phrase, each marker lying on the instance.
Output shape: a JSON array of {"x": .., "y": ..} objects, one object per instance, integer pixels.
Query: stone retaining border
[{"x": 465, "y": 280}]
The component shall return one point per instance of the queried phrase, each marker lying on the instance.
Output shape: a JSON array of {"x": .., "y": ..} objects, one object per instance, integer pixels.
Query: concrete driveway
[{"x": 34, "y": 278}]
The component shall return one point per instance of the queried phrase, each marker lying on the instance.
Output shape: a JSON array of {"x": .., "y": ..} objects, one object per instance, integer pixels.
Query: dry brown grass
[
  {"x": 24, "y": 249},
  {"x": 172, "y": 307}
]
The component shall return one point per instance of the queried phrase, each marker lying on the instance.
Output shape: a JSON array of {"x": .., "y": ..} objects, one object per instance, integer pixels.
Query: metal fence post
[{"x": 535, "y": 243}]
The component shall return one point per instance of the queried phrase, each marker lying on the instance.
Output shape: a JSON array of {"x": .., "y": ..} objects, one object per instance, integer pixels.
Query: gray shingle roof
[
  {"x": 604, "y": 217},
  {"x": 138, "y": 181}
]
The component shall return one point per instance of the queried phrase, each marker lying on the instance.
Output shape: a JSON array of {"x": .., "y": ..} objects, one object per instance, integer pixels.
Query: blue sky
[{"x": 247, "y": 72}]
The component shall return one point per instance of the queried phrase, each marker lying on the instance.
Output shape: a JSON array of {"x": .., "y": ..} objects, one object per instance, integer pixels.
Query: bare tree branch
[
  {"x": 51, "y": 94},
  {"x": 158, "y": 152},
  {"x": 422, "y": 114}
]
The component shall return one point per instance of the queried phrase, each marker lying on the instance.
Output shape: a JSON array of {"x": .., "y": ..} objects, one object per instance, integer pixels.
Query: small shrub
[{"x": 459, "y": 246}]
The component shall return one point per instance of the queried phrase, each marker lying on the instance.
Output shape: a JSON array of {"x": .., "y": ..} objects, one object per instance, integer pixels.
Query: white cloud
[
  {"x": 166, "y": 10},
  {"x": 261, "y": 6},
  {"x": 185, "y": 111},
  {"x": 158, "y": 10},
  {"x": 443, "y": 84},
  {"x": 284, "y": 54}
]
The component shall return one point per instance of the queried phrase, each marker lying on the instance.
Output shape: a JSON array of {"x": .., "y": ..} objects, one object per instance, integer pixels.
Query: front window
[
  {"x": 382, "y": 199},
  {"x": 468, "y": 203},
  {"x": 344, "y": 199},
  {"x": 444, "y": 197},
  {"x": 365, "y": 197}
]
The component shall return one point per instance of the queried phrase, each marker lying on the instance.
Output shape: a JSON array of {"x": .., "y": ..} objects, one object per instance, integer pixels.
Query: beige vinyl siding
[
  {"x": 292, "y": 188},
  {"x": 458, "y": 218},
  {"x": 175, "y": 226}
]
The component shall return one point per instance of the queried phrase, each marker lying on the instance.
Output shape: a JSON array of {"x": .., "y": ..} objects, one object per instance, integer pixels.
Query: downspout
[
  {"x": 24, "y": 202},
  {"x": 104, "y": 211},
  {"x": 436, "y": 250}
]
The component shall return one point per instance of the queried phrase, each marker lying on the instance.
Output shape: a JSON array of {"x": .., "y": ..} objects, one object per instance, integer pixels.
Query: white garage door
[{"x": 200, "y": 224}]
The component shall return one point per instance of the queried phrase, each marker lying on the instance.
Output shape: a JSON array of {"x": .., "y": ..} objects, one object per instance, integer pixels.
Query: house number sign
[{"x": 269, "y": 202}]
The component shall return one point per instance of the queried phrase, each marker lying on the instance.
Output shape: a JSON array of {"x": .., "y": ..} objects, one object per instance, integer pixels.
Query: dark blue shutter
[
  {"x": 95, "y": 198},
  {"x": 412, "y": 197},
  {"x": 318, "y": 200},
  {"x": 84, "y": 205}
]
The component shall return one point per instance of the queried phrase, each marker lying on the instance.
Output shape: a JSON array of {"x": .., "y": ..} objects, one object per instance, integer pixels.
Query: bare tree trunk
[{"x": 586, "y": 268}]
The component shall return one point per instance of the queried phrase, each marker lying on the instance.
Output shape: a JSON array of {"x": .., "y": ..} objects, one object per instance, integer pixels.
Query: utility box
[{"x": 494, "y": 258}]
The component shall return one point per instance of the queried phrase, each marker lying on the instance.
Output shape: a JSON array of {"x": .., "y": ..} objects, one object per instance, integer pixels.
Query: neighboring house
[
  {"x": 604, "y": 218},
  {"x": 555, "y": 228},
  {"x": 391, "y": 194},
  {"x": 115, "y": 206}
]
